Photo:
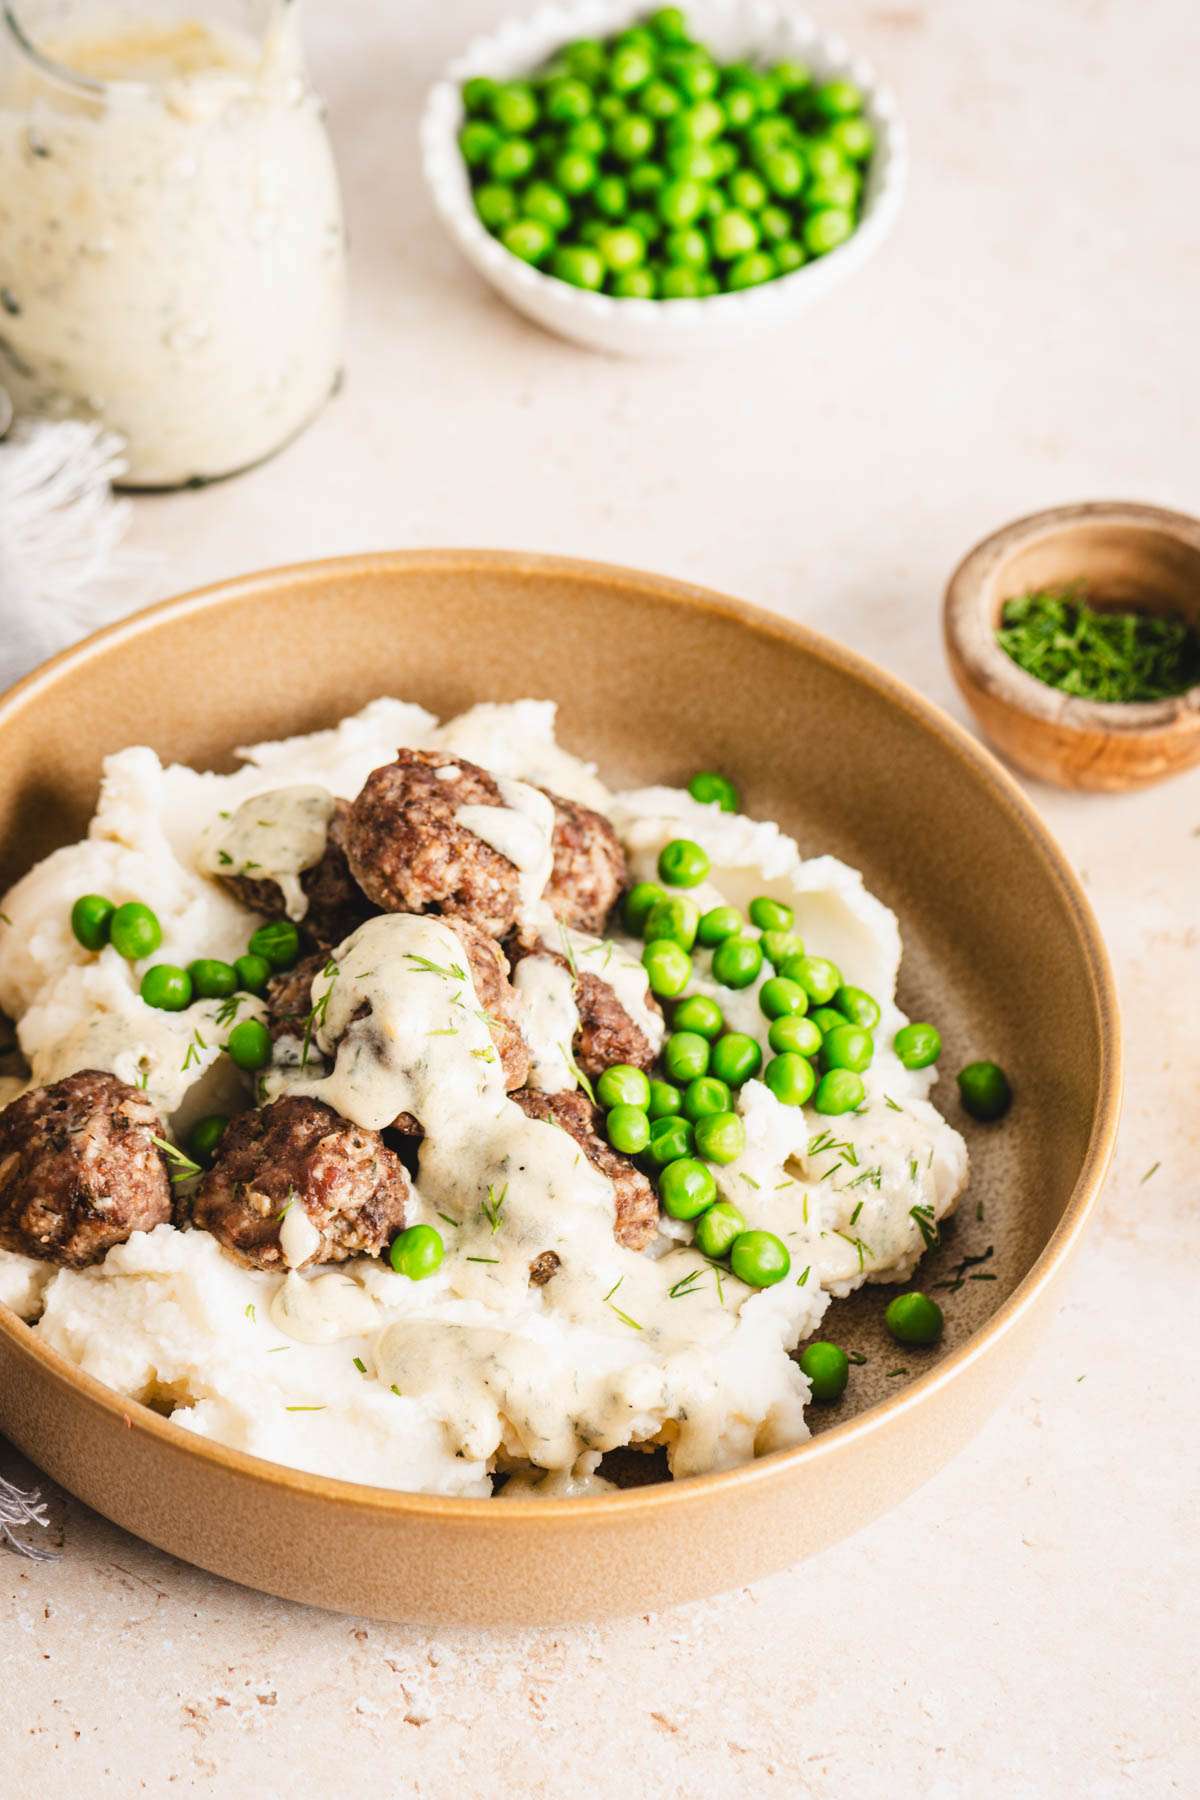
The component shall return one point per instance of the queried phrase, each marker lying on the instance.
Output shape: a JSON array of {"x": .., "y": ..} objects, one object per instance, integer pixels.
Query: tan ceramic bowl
[
  {"x": 654, "y": 679},
  {"x": 1126, "y": 556}
]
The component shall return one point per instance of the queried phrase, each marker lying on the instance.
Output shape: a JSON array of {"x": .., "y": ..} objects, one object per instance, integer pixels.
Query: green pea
[
  {"x": 673, "y": 917},
  {"x": 635, "y": 284},
  {"x": 668, "y": 968},
  {"x": 585, "y": 57},
  {"x": 839, "y": 1091},
  {"x": 695, "y": 74},
  {"x": 736, "y": 1058},
  {"x": 581, "y": 267},
  {"x": 914, "y": 1319},
  {"x": 768, "y": 134},
  {"x": 751, "y": 271},
  {"x": 790, "y": 255},
  {"x": 279, "y": 942},
  {"x": 477, "y": 94},
  {"x": 791, "y": 1078},
  {"x": 827, "y": 1019},
  {"x": 733, "y": 234},
  {"x": 778, "y": 997},
  {"x": 847, "y": 1047},
  {"x": 496, "y": 204},
  {"x": 711, "y": 789},
  {"x": 853, "y": 137},
  {"x": 825, "y": 230},
  {"x": 631, "y": 138},
  {"x": 544, "y": 203},
  {"x": 680, "y": 202},
  {"x": 769, "y": 92},
  {"x": 681, "y": 863},
  {"x": 630, "y": 69},
  {"x": 134, "y": 931},
  {"x": 637, "y": 904},
  {"x": 647, "y": 224},
  {"x": 666, "y": 1101},
  {"x": 647, "y": 178},
  {"x": 717, "y": 1228},
  {"x": 720, "y": 1137},
  {"x": 825, "y": 160},
  {"x": 512, "y": 159},
  {"x": 250, "y": 1044},
  {"x": 575, "y": 172},
  {"x": 514, "y": 107},
  {"x": 794, "y": 1034},
  {"x": 775, "y": 224},
  {"x": 253, "y": 973},
  {"x": 859, "y": 1007},
  {"x": 589, "y": 136},
  {"x": 91, "y": 920},
  {"x": 528, "y": 239},
  {"x": 659, "y": 100},
  {"x": 719, "y": 923},
  {"x": 669, "y": 1140},
  {"x": 819, "y": 978},
  {"x": 705, "y": 1095},
  {"x": 611, "y": 197},
  {"x": 740, "y": 107},
  {"x": 791, "y": 77},
  {"x": 568, "y": 101},
  {"x": 685, "y": 1056},
  {"x": 623, "y": 1085},
  {"x": 621, "y": 248},
  {"x": 686, "y": 1188},
  {"x": 689, "y": 246},
  {"x": 985, "y": 1091},
  {"x": 747, "y": 191},
  {"x": 167, "y": 988},
  {"x": 835, "y": 191},
  {"x": 477, "y": 140},
  {"x": 211, "y": 979},
  {"x": 668, "y": 25},
  {"x": 680, "y": 282},
  {"x": 205, "y": 1136},
  {"x": 759, "y": 1258},
  {"x": 917, "y": 1045},
  {"x": 838, "y": 99},
  {"x": 777, "y": 946},
  {"x": 417, "y": 1252},
  {"x": 827, "y": 1368},
  {"x": 700, "y": 1013},
  {"x": 771, "y": 915},
  {"x": 736, "y": 962},
  {"x": 783, "y": 172},
  {"x": 628, "y": 1129}
]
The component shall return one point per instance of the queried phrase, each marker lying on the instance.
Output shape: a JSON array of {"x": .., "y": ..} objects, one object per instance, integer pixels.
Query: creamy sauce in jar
[
  {"x": 171, "y": 244},
  {"x": 271, "y": 837}
]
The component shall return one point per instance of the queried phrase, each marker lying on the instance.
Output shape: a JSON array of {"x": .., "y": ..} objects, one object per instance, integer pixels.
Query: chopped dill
[
  {"x": 250, "y": 1313},
  {"x": 874, "y": 1176},
  {"x": 182, "y": 1166},
  {"x": 229, "y": 1009},
  {"x": 483, "y": 1259},
  {"x": 445, "y": 1031},
  {"x": 925, "y": 1222},
  {"x": 803, "y": 1278},
  {"x": 856, "y": 1357},
  {"x": 857, "y": 1210},
  {"x": 960, "y": 1271},
  {"x": 359, "y": 1364},
  {"x": 304, "y": 1409},
  {"x": 892, "y": 1373},
  {"x": 487, "y": 1056},
  {"x": 395, "y": 1390},
  {"x": 914, "y": 1170},
  {"x": 888, "y": 1101},
  {"x": 623, "y": 1316},
  {"x": 316, "y": 1018},
  {"x": 1054, "y": 635},
  {"x": 581, "y": 1079},
  {"x": 856, "y": 1244},
  {"x": 780, "y": 1185},
  {"x": 748, "y": 1179},
  {"x": 493, "y": 1207},
  {"x": 224, "y": 858},
  {"x": 685, "y": 1285},
  {"x": 423, "y": 964},
  {"x": 457, "y": 1223},
  {"x": 1152, "y": 1170},
  {"x": 568, "y": 952}
]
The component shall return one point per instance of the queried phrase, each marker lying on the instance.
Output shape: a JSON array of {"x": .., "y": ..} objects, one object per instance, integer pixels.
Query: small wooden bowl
[{"x": 1125, "y": 556}]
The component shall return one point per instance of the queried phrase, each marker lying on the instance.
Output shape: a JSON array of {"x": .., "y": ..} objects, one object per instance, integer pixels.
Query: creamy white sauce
[
  {"x": 625, "y": 974},
  {"x": 521, "y": 829},
  {"x": 171, "y": 247},
  {"x": 549, "y": 1019},
  {"x": 299, "y": 1238},
  {"x": 274, "y": 836},
  {"x": 322, "y": 1310}
]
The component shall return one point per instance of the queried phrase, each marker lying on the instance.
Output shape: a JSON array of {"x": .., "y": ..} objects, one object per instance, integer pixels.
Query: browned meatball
[
  {"x": 300, "y": 1152},
  {"x": 289, "y": 996},
  {"x": 589, "y": 866},
  {"x": 637, "y": 1203},
  {"x": 606, "y": 1034},
  {"x": 336, "y": 903},
  {"x": 409, "y": 853},
  {"x": 494, "y": 991},
  {"x": 79, "y": 1169}
]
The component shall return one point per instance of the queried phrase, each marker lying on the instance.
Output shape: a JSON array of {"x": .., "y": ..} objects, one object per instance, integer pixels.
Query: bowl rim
[
  {"x": 969, "y": 635},
  {"x": 445, "y": 178},
  {"x": 695, "y": 1490}
]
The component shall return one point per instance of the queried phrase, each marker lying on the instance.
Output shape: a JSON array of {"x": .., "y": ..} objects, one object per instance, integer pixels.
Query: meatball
[
  {"x": 494, "y": 991},
  {"x": 336, "y": 903},
  {"x": 80, "y": 1170},
  {"x": 605, "y": 1034},
  {"x": 297, "y": 1152},
  {"x": 589, "y": 866},
  {"x": 289, "y": 996},
  {"x": 408, "y": 852},
  {"x": 636, "y": 1201}
]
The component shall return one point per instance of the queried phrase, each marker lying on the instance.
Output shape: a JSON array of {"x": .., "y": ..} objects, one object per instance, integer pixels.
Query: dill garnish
[
  {"x": 803, "y": 1278},
  {"x": 864, "y": 1250},
  {"x": 457, "y": 1223},
  {"x": 493, "y": 1207},
  {"x": 925, "y": 1222},
  {"x": 685, "y": 1285},
  {"x": 1152, "y": 1170},
  {"x": 250, "y": 1313},
  {"x": 316, "y": 1018},
  {"x": 581, "y": 1079},
  {"x": 874, "y": 1176},
  {"x": 304, "y": 1409},
  {"x": 888, "y": 1101},
  {"x": 857, "y": 1210},
  {"x": 893, "y": 1372},
  {"x": 623, "y": 1316},
  {"x": 359, "y": 1364},
  {"x": 914, "y": 1170},
  {"x": 748, "y": 1179},
  {"x": 569, "y": 953},
  {"x": 1055, "y": 636},
  {"x": 395, "y": 1390},
  {"x": 224, "y": 858},
  {"x": 484, "y": 1259},
  {"x": 960, "y": 1271},
  {"x": 446, "y": 1031},
  {"x": 487, "y": 1056},
  {"x": 182, "y": 1166},
  {"x": 229, "y": 1009},
  {"x": 453, "y": 973},
  {"x": 856, "y": 1357}
]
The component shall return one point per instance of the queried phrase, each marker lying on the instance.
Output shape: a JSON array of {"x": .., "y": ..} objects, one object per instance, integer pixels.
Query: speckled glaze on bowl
[{"x": 1001, "y": 949}]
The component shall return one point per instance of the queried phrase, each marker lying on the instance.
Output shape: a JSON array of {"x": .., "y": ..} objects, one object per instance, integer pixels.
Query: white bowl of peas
[{"x": 656, "y": 181}]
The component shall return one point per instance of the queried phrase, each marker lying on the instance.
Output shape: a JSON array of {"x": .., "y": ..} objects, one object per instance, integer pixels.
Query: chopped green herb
[
  {"x": 623, "y": 1316},
  {"x": 1057, "y": 637},
  {"x": 483, "y": 1259},
  {"x": 493, "y": 1207},
  {"x": 960, "y": 1271},
  {"x": 224, "y": 858},
  {"x": 193, "y": 1052},
  {"x": 857, "y": 1210},
  {"x": 888, "y": 1101},
  {"x": 449, "y": 1221},
  {"x": 453, "y": 973},
  {"x": 874, "y": 1176},
  {"x": 863, "y": 1250},
  {"x": 685, "y": 1285},
  {"x": 748, "y": 1179},
  {"x": 568, "y": 952},
  {"x": 182, "y": 1166},
  {"x": 250, "y": 1313},
  {"x": 446, "y": 1031},
  {"x": 803, "y": 1278},
  {"x": 359, "y": 1364},
  {"x": 925, "y": 1222},
  {"x": 304, "y": 1409},
  {"x": 581, "y": 1079},
  {"x": 229, "y": 1009},
  {"x": 894, "y": 1372},
  {"x": 395, "y": 1390},
  {"x": 487, "y": 1056},
  {"x": 1152, "y": 1170},
  {"x": 856, "y": 1357}
]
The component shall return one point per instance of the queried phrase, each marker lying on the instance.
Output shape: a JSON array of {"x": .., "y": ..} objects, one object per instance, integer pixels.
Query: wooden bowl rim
[
  {"x": 969, "y": 631},
  {"x": 613, "y": 1508}
]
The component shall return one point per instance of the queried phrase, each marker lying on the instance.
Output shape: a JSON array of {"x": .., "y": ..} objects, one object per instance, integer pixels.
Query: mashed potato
[{"x": 359, "y": 1372}]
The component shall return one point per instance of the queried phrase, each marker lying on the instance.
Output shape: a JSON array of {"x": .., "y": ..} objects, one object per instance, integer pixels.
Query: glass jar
[{"x": 172, "y": 254}]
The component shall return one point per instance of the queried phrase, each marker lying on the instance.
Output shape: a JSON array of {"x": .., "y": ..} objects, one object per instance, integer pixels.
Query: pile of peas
[{"x": 642, "y": 167}]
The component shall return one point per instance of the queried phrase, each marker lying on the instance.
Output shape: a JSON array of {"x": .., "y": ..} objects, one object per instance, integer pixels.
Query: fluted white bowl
[{"x": 759, "y": 31}]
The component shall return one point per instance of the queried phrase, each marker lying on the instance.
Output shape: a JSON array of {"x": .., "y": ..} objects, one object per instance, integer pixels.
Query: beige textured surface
[{"x": 1024, "y": 1625}]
